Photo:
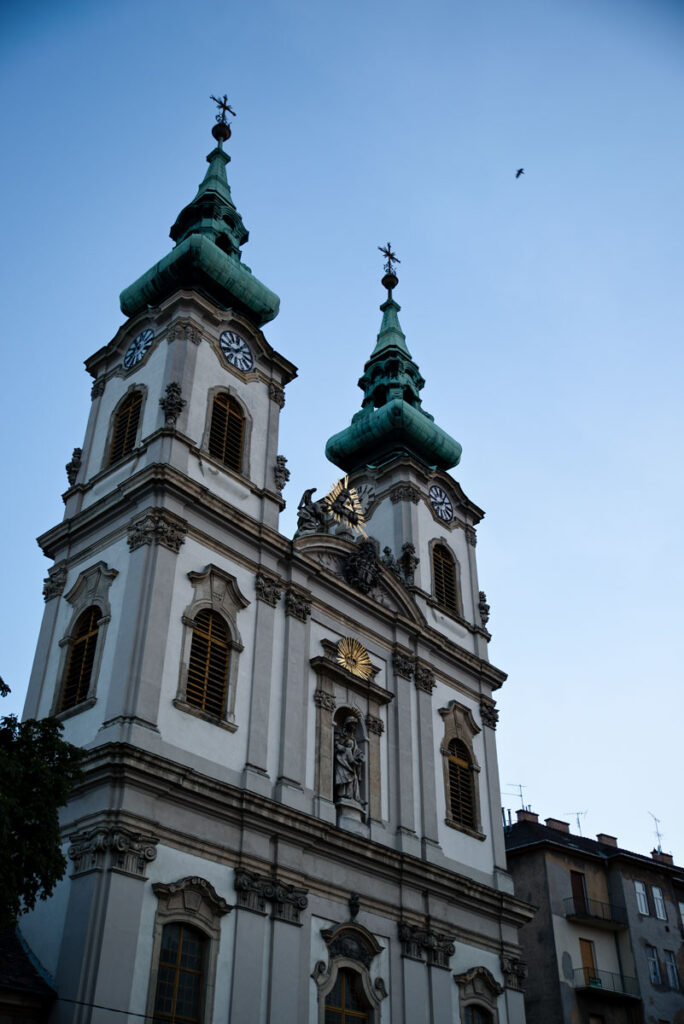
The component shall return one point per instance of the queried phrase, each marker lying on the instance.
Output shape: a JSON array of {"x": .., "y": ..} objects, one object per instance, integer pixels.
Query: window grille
[
  {"x": 207, "y": 684},
  {"x": 444, "y": 575},
  {"x": 227, "y": 432},
  {"x": 461, "y": 788},
  {"x": 125, "y": 429},
  {"x": 81, "y": 659},
  {"x": 346, "y": 1002},
  {"x": 180, "y": 980}
]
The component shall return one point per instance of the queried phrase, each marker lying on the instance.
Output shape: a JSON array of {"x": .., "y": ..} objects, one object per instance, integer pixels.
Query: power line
[{"x": 111, "y": 1009}]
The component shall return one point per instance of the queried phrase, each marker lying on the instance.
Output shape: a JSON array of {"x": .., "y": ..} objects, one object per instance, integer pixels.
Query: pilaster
[
  {"x": 425, "y": 683},
  {"x": 154, "y": 539},
  {"x": 401, "y": 754},
  {"x": 295, "y": 705},
  {"x": 269, "y": 593}
]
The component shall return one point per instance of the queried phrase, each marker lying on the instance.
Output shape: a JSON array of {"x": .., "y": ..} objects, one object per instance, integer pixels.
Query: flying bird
[{"x": 521, "y": 170}]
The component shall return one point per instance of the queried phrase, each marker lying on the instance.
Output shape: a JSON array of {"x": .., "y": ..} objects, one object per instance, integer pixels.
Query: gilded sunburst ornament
[
  {"x": 345, "y": 505},
  {"x": 352, "y": 655}
]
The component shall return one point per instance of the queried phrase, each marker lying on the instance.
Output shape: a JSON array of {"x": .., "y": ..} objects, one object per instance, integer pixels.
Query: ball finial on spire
[
  {"x": 390, "y": 280},
  {"x": 221, "y": 130}
]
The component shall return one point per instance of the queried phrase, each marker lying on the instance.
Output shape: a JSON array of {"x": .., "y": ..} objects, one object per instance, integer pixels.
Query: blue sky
[{"x": 545, "y": 313}]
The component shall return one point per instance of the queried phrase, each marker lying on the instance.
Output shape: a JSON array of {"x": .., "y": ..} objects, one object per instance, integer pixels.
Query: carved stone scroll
[
  {"x": 268, "y": 588},
  {"x": 157, "y": 526},
  {"x": 110, "y": 848},
  {"x": 422, "y": 943},
  {"x": 255, "y": 891}
]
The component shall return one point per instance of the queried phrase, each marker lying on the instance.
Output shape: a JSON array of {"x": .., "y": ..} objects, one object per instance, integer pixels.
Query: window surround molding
[
  {"x": 456, "y": 613},
  {"x": 217, "y": 591},
  {"x": 459, "y": 724},
  {"x": 478, "y": 988},
  {"x": 91, "y": 588},
  {"x": 105, "y": 464},
  {"x": 195, "y": 902},
  {"x": 212, "y": 393},
  {"x": 353, "y": 947}
]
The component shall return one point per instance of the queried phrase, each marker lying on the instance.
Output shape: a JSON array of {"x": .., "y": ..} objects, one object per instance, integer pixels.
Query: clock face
[
  {"x": 138, "y": 347},
  {"x": 236, "y": 350},
  {"x": 439, "y": 499}
]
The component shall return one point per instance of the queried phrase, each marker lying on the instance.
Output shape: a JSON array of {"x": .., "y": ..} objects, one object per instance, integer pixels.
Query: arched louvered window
[
  {"x": 126, "y": 419},
  {"x": 227, "y": 431},
  {"x": 81, "y": 658},
  {"x": 181, "y": 975},
  {"x": 445, "y": 579},
  {"x": 461, "y": 785},
  {"x": 477, "y": 1015},
  {"x": 207, "y": 685},
  {"x": 346, "y": 1002}
]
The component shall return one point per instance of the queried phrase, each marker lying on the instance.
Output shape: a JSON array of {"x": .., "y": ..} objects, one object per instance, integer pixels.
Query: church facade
[{"x": 290, "y": 809}]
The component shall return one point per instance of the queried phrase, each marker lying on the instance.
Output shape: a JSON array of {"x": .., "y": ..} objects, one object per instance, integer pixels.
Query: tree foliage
[{"x": 38, "y": 770}]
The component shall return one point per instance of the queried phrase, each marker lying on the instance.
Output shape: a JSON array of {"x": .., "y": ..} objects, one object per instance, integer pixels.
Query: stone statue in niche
[{"x": 349, "y": 760}]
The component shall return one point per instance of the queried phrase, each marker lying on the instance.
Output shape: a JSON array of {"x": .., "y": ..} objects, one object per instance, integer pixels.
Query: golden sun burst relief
[
  {"x": 352, "y": 655},
  {"x": 345, "y": 506}
]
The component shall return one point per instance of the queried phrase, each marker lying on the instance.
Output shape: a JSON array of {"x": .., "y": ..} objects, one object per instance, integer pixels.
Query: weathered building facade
[
  {"x": 605, "y": 945},
  {"x": 291, "y": 807}
]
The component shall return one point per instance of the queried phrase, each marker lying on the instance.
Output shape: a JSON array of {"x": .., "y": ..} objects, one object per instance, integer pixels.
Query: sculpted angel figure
[{"x": 312, "y": 516}]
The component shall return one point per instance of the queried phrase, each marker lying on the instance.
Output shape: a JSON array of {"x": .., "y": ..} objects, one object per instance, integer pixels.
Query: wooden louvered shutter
[
  {"x": 444, "y": 572},
  {"x": 81, "y": 659},
  {"x": 461, "y": 790},
  {"x": 226, "y": 432},
  {"x": 125, "y": 427},
  {"x": 209, "y": 660}
]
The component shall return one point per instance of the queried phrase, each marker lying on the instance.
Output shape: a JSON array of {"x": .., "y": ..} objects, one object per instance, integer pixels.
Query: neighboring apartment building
[{"x": 605, "y": 946}]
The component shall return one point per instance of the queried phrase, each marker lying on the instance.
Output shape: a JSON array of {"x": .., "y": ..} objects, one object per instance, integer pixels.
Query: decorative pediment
[
  {"x": 192, "y": 894},
  {"x": 458, "y": 723},
  {"x": 92, "y": 585},
  {"x": 352, "y": 941},
  {"x": 219, "y": 589},
  {"x": 351, "y": 562},
  {"x": 478, "y": 984}
]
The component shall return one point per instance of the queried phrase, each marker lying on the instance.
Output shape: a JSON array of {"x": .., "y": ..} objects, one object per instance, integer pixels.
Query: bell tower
[
  {"x": 421, "y": 518},
  {"x": 181, "y": 440}
]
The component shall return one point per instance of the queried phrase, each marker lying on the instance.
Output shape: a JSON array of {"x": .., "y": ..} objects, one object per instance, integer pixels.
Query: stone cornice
[
  {"x": 123, "y": 765},
  {"x": 169, "y": 430}
]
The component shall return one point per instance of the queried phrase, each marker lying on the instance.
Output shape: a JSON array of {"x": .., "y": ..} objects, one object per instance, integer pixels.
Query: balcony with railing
[
  {"x": 605, "y": 983},
  {"x": 605, "y": 915}
]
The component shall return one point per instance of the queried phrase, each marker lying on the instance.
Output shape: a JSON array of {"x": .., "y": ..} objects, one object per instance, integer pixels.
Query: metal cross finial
[
  {"x": 224, "y": 107},
  {"x": 390, "y": 257}
]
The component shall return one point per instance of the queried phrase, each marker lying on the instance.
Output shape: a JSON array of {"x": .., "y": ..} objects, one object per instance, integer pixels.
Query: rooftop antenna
[
  {"x": 518, "y": 787},
  {"x": 659, "y": 835},
  {"x": 577, "y": 815}
]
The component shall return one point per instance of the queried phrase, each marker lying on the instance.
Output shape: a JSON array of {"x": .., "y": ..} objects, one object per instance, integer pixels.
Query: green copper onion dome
[
  {"x": 391, "y": 421},
  {"x": 208, "y": 233}
]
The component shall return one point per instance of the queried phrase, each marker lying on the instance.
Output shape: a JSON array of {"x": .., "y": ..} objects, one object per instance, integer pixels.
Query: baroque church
[{"x": 290, "y": 812}]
